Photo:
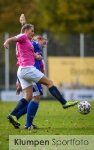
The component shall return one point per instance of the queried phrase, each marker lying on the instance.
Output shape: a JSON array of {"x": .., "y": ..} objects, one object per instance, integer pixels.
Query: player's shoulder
[
  {"x": 20, "y": 35},
  {"x": 34, "y": 42}
]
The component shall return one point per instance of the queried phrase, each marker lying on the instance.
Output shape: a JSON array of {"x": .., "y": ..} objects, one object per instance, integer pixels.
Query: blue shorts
[{"x": 37, "y": 89}]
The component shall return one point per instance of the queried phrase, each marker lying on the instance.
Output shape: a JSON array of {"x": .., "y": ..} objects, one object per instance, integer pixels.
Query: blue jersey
[
  {"x": 37, "y": 49},
  {"x": 37, "y": 88}
]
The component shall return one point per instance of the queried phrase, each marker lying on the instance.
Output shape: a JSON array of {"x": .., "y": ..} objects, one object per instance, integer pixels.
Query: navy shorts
[{"x": 37, "y": 89}]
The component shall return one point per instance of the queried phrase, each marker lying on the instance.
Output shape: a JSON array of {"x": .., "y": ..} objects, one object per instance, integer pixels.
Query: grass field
[{"x": 51, "y": 119}]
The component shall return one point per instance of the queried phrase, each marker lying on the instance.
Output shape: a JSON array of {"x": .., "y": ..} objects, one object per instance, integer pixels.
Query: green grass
[{"x": 51, "y": 119}]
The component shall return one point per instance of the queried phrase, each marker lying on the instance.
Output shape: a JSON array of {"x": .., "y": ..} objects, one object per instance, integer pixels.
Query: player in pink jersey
[
  {"x": 28, "y": 74},
  {"x": 26, "y": 50}
]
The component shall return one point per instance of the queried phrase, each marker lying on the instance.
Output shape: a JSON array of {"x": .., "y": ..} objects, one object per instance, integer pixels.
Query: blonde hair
[
  {"x": 26, "y": 26},
  {"x": 36, "y": 37}
]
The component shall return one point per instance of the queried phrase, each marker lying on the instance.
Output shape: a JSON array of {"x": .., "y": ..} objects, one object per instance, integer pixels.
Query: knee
[
  {"x": 37, "y": 99},
  {"x": 28, "y": 96},
  {"x": 50, "y": 84}
]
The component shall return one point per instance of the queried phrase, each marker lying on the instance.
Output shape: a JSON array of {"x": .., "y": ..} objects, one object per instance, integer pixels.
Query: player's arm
[
  {"x": 18, "y": 38},
  {"x": 8, "y": 41},
  {"x": 42, "y": 66},
  {"x": 38, "y": 56},
  {"x": 22, "y": 19},
  {"x": 18, "y": 85}
]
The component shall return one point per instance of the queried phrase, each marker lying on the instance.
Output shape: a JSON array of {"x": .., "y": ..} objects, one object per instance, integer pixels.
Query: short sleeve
[{"x": 21, "y": 37}]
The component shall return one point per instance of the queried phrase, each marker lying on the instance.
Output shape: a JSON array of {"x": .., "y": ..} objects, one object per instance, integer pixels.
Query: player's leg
[
  {"x": 37, "y": 76},
  {"x": 33, "y": 111},
  {"x": 27, "y": 90},
  {"x": 21, "y": 104},
  {"x": 32, "y": 106},
  {"x": 28, "y": 76},
  {"x": 37, "y": 92},
  {"x": 24, "y": 101},
  {"x": 25, "y": 76},
  {"x": 22, "y": 111},
  {"x": 55, "y": 92}
]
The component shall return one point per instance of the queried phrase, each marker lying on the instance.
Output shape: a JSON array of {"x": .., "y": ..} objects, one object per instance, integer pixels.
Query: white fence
[{"x": 9, "y": 96}]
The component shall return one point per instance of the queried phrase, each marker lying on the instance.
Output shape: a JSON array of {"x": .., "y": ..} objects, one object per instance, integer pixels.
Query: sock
[
  {"x": 55, "y": 92},
  {"x": 19, "y": 106},
  {"x": 31, "y": 112},
  {"x": 22, "y": 112}
]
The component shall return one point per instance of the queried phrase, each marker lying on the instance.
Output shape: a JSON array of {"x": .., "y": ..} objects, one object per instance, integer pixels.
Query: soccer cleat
[
  {"x": 12, "y": 119},
  {"x": 31, "y": 127},
  {"x": 70, "y": 104}
]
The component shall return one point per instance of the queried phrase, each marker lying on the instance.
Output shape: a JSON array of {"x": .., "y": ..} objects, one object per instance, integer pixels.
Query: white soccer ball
[{"x": 84, "y": 107}]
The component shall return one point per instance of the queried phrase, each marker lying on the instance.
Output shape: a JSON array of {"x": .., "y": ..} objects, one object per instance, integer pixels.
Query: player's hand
[
  {"x": 38, "y": 56},
  {"x": 6, "y": 45},
  {"x": 19, "y": 88},
  {"x": 22, "y": 19}
]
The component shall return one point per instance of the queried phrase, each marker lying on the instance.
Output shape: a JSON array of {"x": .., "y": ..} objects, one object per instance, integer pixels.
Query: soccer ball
[{"x": 84, "y": 107}]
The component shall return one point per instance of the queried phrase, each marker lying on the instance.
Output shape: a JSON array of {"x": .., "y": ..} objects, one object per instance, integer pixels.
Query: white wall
[{"x": 82, "y": 94}]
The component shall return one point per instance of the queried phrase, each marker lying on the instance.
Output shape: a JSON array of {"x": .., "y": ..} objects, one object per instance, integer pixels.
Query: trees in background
[
  {"x": 57, "y": 17},
  {"x": 54, "y": 16}
]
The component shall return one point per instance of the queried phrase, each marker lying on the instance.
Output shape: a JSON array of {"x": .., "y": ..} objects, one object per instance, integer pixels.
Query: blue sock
[
  {"x": 31, "y": 112},
  {"x": 22, "y": 112},
  {"x": 55, "y": 92},
  {"x": 19, "y": 106}
]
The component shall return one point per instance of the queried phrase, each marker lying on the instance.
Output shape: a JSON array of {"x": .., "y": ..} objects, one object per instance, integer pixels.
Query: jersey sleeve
[{"x": 20, "y": 37}]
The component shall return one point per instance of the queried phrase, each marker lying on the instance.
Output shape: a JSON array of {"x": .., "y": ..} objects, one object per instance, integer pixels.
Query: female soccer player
[
  {"x": 28, "y": 74},
  {"x": 38, "y": 43}
]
